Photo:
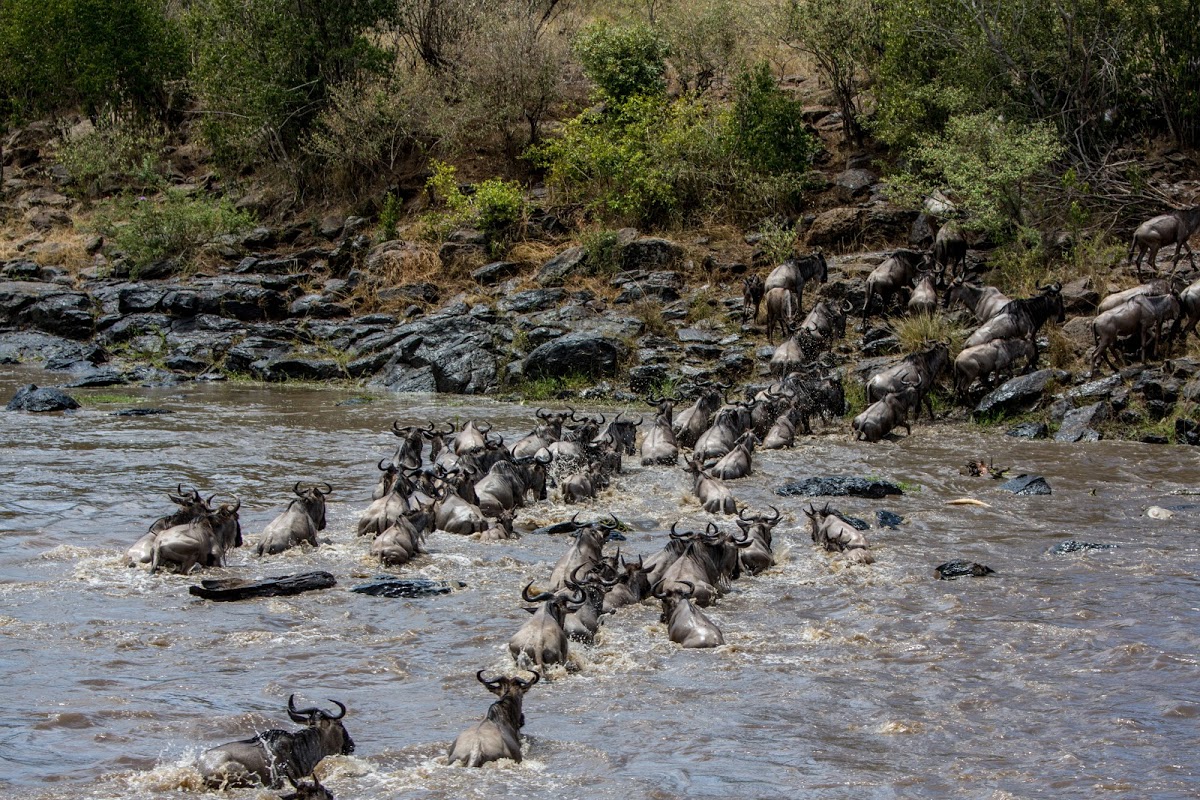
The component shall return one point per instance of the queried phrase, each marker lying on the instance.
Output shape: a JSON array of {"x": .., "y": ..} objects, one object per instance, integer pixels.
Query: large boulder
[
  {"x": 32, "y": 398},
  {"x": 460, "y": 351},
  {"x": 47, "y": 307},
  {"x": 1020, "y": 393},
  {"x": 650, "y": 253},
  {"x": 1079, "y": 425},
  {"x": 579, "y": 353},
  {"x": 555, "y": 271},
  {"x": 835, "y": 227}
]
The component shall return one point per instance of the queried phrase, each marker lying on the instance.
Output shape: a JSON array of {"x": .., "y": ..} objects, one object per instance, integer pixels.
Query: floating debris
[
  {"x": 1158, "y": 512},
  {"x": 225, "y": 589},
  {"x": 140, "y": 412},
  {"x": 967, "y": 501}
]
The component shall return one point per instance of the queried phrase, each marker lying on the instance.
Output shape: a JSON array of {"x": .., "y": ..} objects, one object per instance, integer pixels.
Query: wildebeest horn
[
  {"x": 543, "y": 459},
  {"x": 384, "y": 464},
  {"x": 575, "y": 523},
  {"x": 296, "y": 490},
  {"x": 600, "y": 421},
  {"x": 541, "y": 415},
  {"x": 742, "y": 514},
  {"x": 301, "y": 714},
  {"x": 777, "y": 514},
  {"x": 328, "y": 488},
  {"x": 339, "y": 705},
  {"x": 534, "y": 598},
  {"x": 573, "y": 581},
  {"x": 482, "y": 430},
  {"x": 537, "y": 676},
  {"x": 691, "y": 589},
  {"x": 398, "y": 430},
  {"x": 494, "y": 683},
  {"x": 616, "y": 523},
  {"x": 684, "y": 535}
]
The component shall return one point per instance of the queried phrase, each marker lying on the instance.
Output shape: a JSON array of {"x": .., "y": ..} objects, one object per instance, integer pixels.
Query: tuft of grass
[
  {"x": 777, "y": 241},
  {"x": 603, "y": 250},
  {"x": 703, "y": 305},
  {"x": 651, "y": 315},
  {"x": 856, "y": 398},
  {"x": 109, "y": 398},
  {"x": 543, "y": 389},
  {"x": 919, "y": 331}
]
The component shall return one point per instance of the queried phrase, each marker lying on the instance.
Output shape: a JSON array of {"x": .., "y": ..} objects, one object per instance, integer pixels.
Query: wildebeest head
[
  {"x": 314, "y": 501},
  {"x": 334, "y": 737}
]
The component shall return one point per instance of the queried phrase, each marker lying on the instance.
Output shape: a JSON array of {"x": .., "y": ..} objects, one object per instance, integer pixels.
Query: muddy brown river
[{"x": 1061, "y": 676}]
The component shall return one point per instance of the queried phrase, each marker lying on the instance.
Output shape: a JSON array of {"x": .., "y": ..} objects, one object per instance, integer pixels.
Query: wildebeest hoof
[{"x": 961, "y": 569}]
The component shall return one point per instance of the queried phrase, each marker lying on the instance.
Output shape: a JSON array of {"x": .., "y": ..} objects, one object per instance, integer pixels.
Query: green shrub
[
  {"x": 175, "y": 226},
  {"x": 984, "y": 164},
  {"x": 766, "y": 127},
  {"x": 622, "y": 61},
  {"x": 777, "y": 241},
  {"x": 119, "y": 152},
  {"x": 704, "y": 37},
  {"x": 496, "y": 207},
  {"x": 603, "y": 249},
  {"x": 389, "y": 218},
  {"x": 262, "y": 70},
  {"x": 59, "y": 54}
]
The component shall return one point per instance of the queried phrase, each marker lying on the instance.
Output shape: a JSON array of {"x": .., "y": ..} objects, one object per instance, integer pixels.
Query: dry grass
[
  {"x": 918, "y": 331},
  {"x": 57, "y": 247},
  {"x": 532, "y": 252}
]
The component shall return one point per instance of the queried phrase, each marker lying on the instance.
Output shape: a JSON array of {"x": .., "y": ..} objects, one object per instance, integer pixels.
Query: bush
[
  {"x": 263, "y": 69},
  {"x": 603, "y": 249},
  {"x": 175, "y": 226},
  {"x": 704, "y": 37},
  {"x": 622, "y": 61},
  {"x": 766, "y": 127},
  {"x": 984, "y": 164},
  {"x": 495, "y": 207},
  {"x": 60, "y": 54},
  {"x": 119, "y": 152}
]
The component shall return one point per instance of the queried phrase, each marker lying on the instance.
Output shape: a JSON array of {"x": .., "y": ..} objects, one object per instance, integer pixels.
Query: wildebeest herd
[{"x": 467, "y": 481}]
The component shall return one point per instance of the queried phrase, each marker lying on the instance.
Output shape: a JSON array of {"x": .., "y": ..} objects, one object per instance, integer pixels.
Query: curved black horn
[
  {"x": 384, "y": 464},
  {"x": 483, "y": 431},
  {"x": 299, "y": 714},
  {"x": 296, "y": 490},
  {"x": 691, "y": 588},
  {"x": 540, "y": 415},
  {"x": 534, "y": 598},
  {"x": 494, "y": 683},
  {"x": 339, "y": 705},
  {"x": 328, "y": 488},
  {"x": 777, "y": 515},
  {"x": 397, "y": 429},
  {"x": 537, "y": 676}
]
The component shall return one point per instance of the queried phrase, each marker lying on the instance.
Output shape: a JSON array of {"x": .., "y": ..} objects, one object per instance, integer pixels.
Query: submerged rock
[
  {"x": 887, "y": 519},
  {"x": 1027, "y": 484},
  {"x": 1030, "y": 430},
  {"x": 1077, "y": 424},
  {"x": 140, "y": 412},
  {"x": 835, "y": 486},
  {"x": 961, "y": 569},
  {"x": 1074, "y": 546},
  {"x": 418, "y": 587},
  {"x": 32, "y": 398}
]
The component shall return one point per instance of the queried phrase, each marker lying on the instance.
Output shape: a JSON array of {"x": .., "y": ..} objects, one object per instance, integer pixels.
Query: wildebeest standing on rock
[
  {"x": 793, "y": 273},
  {"x": 273, "y": 755},
  {"x": 878, "y": 419},
  {"x": 1174, "y": 228},
  {"x": 985, "y": 361},
  {"x": 298, "y": 523},
  {"x": 498, "y": 735},
  {"x": 916, "y": 369},
  {"x": 893, "y": 276},
  {"x": 1140, "y": 315}
]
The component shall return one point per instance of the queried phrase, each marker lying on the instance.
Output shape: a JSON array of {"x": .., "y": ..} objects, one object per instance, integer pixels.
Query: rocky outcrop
[
  {"x": 33, "y": 398},
  {"x": 1020, "y": 393},
  {"x": 581, "y": 353}
]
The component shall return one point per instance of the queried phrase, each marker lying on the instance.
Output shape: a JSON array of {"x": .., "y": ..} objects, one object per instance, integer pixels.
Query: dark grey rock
[
  {"x": 1020, "y": 393},
  {"x": 557, "y": 269},
  {"x": 578, "y": 353},
  {"x": 1074, "y": 546},
  {"x": 1030, "y": 430},
  {"x": 647, "y": 376},
  {"x": 887, "y": 519},
  {"x": 259, "y": 237},
  {"x": 1079, "y": 297},
  {"x": 31, "y": 398},
  {"x": 1096, "y": 390},
  {"x": 952, "y": 570},
  {"x": 650, "y": 253},
  {"x": 1187, "y": 432},
  {"x": 415, "y": 379},
  {"x": 98, "y": 376},
  {"x": 1026, "y": 485},
  {"x": 532, "y": 300},
  {"x": 254, "y": 349},
  {"x": 497, "y": 271},
  {"x": 922, "y": 232},
  {"x": 297, "y": 366},
  {"x": 883, "y": 346},
  {"x": 663, "y": 286},
  {"x": 1153, "y": 385},
  {"x": 836, "y": 486},
  {"x": 854, "y": 182},
  {"x": 1182, "y": 368},
  {"x": 139, "y": 298},
  {"x": 1077, "y": 426},
  {"x": 697, "y": 336},
  {"x": 140, "y": 412}
]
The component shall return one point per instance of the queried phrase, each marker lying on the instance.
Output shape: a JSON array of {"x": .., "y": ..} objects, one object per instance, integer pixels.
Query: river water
[{"x": 1061, "y": 676}]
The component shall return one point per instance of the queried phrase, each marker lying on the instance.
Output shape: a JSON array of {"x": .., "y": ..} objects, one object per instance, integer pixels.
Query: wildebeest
[
  {"x": 687, "y": 625},
  {"x": 1142, "y": 315},
  {"x": 507, "y": 483},
  {"x": 408, "y": 452},
  {"x": 757, "y": 555},
  {"x": 631, "y": 585},
  {"x": 950, "y": 249},
  {"x": 826, "y": 321},
  {"x": 718, "y": 440},
  {"x": 693, "y": 420},
  {"x": 1154, "y": 286},
  {"x": 542, "y": 639},
  {"x": 1023, "y": 317},
  {"x": 794, "y": 272},
  {"x": 659, "y": 446},
  {"x": 402, "y": 540},
  {"x": 708, "y": 562},
  {"x": 191, "y": 505},
  {"x": 752, "y": 295},
  {"x": 714, "y": 495},
  {"x": 582, "y": 623},
  {"x": 307, "y": 790},
  {"x": 923, "y": 299},
  {"x": 781, "y": 311},
  {"x": 985, "y": 302},
  {"x": 878, "y": 419},
  {"x": 1174, "y": 228},
  {"x": 299, "y": 522},
  {"x": 737, "y": 463},
  {"x": 203, "y": 541},
  {"x": 500, "y": 529},
  {"x": 921, "y": 369},
  {"x": 789, "y": 356},
  {"x": 894, "y": 275},
  {"x": 455, "y": 513},
  {"x": 547, "y": 432},
  {"x": 783, "y": 432},
  {"x": 1189, "y": 311},
  {"x": 585, "y": 551},
  {"x": 833, "y": 533},
  {"x": 992, "y": 358},
  {"x": 273, "y": 755},
  {"x": 498, "y": 735}
]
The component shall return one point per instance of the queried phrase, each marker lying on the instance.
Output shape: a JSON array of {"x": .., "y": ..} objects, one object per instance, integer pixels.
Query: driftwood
[
  {"x": 418, "y": 587},
  {"x": 223, "y": 589}
]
